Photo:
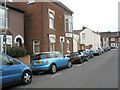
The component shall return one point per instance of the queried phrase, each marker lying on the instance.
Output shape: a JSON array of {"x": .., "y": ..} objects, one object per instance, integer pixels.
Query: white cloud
[{"x": 98, "y": 15}]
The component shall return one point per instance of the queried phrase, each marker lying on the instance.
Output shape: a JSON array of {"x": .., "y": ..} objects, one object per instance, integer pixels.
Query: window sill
[
  {"x": 30, "y": 3},
  {"x": 52, "y": 29}
]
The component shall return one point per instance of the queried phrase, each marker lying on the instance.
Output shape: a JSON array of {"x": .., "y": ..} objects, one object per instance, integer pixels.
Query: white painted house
[
  {"x": 88, "y": 38},
  {"x": 76, "y": 42}
]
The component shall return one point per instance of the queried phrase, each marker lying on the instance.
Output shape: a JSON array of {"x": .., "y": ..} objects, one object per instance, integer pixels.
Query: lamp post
[{"x": 4, "y": 36}]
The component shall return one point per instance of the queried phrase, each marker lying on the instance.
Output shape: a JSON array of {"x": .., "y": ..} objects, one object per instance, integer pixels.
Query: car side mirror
[{"x": 11, "y": 63}]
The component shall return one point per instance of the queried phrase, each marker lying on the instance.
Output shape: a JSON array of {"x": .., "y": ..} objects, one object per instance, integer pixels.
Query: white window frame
[
  {"x": 5, "y": 18},
  {"x": 52, "y": 40},
  {"x": 69, "y": 21},
  {"x": 51, "y": 21},
  {"x": 112, "y": 39},
  {"x": 83, "y": 36},
  {"x": 68, "y": 45},
  {"x": 38, "y": 44}
]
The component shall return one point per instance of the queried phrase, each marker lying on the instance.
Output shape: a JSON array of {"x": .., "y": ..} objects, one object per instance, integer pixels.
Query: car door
[
  {"x": 61, "y": 60},
  {"x": 10, "y": 73}
]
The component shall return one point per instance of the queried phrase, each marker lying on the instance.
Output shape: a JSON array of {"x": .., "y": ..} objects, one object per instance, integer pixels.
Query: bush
[{"x": 16, "y": 52}]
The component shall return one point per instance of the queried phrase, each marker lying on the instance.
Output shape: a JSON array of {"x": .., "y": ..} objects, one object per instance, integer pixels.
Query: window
[
  {"x": 51, "y": 20},
  {"x": 68, "y": 23},
  {"x": 83, "y": 36},
  {"x": 68, "y": 45},
  {"x": 52, "y": 55},
  {"x": 58, "y": 55},
  {"x": 4, "y": 59},
  {"x": 52, "y": 44},
  {"x": 36, "y": 46},
  {"x": 14, "y": 61},
  {"x": 112, "y": 39},
  {"x": 3, "y": 18}
]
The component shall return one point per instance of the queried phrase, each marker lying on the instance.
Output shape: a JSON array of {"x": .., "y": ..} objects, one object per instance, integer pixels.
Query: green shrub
[{"x": 16, "y": 52}]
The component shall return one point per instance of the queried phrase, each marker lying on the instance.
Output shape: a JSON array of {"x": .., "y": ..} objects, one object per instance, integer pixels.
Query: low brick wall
[{"x": 25, "y": 60}]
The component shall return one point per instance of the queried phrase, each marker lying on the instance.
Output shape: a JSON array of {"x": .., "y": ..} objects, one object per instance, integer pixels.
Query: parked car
[
  {"x": 101, "y": 50},
  {"x": 49, "y": 61},
  {"x": 78, "y": 57},
  {"x": 87, "y": 52},
  {"x": 13, "y": 71},
  {"x": 106, "y": 48},
  {"x": 95, "y": 51},
  {"x": 113, "y": 47}
]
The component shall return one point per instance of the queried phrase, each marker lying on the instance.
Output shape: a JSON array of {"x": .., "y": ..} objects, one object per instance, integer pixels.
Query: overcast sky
[{"x": 98, "y": 15}]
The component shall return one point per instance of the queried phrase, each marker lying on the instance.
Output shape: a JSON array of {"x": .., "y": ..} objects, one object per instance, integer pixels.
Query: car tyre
[
  {"x": 92, "y": 56},
  {"x": 26, "y": 78},
  {"x": 69, "y": 65},
  {"x": 53, "y": 69},
  {"x": 87, "y": 58}
]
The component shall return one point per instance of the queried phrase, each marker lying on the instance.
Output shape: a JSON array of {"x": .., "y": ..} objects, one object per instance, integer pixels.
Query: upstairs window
[
  {"x": 112, "y": 39},
  {"x": 3, "y": 18},
  {"x": 83, "y": 36},
  {"x": 68, "y": 23},
  {"x": 36, "y": 46},
  {"x": 51, "y": 20}
]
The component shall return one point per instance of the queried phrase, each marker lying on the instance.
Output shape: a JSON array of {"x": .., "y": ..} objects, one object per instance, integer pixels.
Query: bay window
[{"x": 68, "y": 23}]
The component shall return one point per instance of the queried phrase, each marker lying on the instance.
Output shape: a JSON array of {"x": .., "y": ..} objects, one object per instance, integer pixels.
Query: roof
[
  {"x": 110, "y": 34},
  {"x": 83, "y": 28},
  {"x": 62, "y": 5},
  {"x": 77, "y": 31}
]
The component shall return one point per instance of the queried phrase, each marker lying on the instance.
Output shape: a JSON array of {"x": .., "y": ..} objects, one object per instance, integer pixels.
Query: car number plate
[{"x": 38, "y": 62}]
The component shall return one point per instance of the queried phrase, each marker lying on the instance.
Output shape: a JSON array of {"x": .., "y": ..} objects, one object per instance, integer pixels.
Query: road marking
[{"x": 56, "y": 75}]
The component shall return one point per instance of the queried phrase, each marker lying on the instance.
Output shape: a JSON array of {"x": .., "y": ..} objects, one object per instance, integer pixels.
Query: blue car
[
  {"x": 13, "y": 71},
  {"x": 87, "y": 52},
  {"x": 49, "y": 61}
]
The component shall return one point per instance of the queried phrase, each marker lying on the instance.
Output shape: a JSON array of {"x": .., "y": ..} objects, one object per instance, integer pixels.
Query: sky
[{"x": 98, "y": 15}]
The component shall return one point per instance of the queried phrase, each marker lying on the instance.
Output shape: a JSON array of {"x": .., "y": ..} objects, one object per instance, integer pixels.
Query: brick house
[
  {"x": 15, "y": 26},
  {"x": 48, "y": 27},
  {"x": 110, "y": 38}
]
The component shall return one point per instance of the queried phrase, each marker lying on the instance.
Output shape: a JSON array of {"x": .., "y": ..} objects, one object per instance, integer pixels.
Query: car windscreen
[{"x": 74, "y": 54}]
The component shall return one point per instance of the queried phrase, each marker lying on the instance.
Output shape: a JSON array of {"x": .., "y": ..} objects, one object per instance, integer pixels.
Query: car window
[
  {"x": 4, "y": 60},
  {"x": 75, "y": 53},
  {"x": 58, "y": 55},
  {"x": 51, "y": 55},
  {"x": 14, "y": 61}
]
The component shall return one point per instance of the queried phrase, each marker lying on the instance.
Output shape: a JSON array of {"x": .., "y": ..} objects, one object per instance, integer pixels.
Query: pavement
[{"x": 99, "y": 72}]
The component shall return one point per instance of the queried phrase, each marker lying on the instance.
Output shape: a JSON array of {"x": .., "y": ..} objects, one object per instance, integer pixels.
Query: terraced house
[
  {"x": 48, "y": 26},
  {"x": 13, "y": 23}
]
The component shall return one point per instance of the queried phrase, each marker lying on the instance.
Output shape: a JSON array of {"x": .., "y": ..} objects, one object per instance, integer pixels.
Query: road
[{"x": 99, "y": 72}]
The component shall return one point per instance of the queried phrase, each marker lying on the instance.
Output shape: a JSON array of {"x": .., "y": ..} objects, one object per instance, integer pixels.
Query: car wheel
[
  {"x": 53, "y": 69},
  {"x": 92, "y": 56},
  {"x": 26, "y": 77},
  {"x": 69, "y": 65}
]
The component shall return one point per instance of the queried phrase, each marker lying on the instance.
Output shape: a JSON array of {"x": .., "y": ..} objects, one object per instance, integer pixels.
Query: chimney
[{"x": 84, "y": 27}]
